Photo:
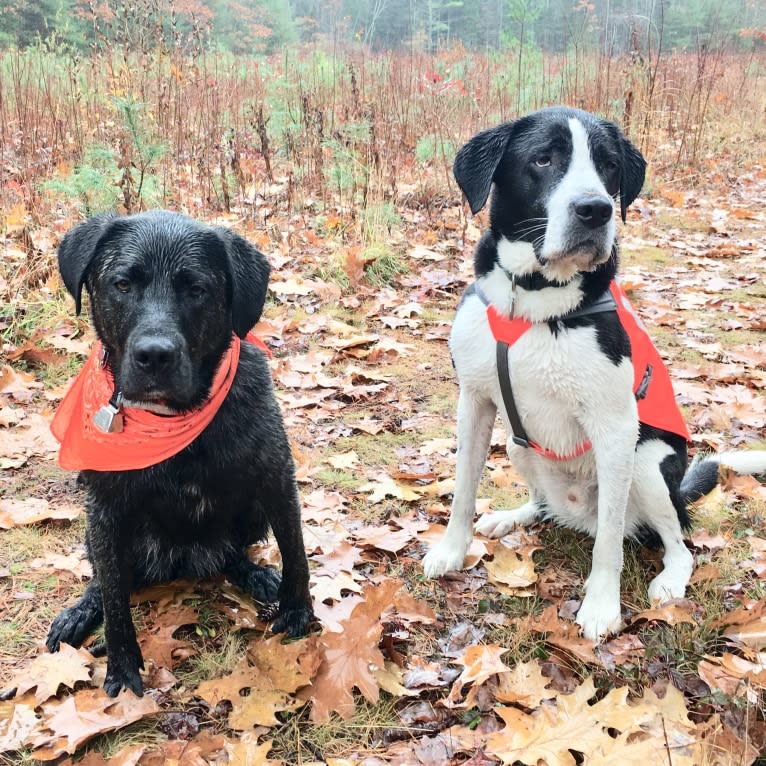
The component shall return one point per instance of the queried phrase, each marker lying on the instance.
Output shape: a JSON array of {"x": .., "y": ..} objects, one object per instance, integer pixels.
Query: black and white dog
[{"x": 549, "y": 260}]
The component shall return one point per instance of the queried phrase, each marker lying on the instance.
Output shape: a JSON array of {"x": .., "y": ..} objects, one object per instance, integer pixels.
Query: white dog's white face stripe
[{"x": 581, "y": 180}]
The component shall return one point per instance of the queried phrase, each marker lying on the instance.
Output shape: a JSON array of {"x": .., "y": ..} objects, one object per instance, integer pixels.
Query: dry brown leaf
[
  {"x": 156, "y": 640},
  {"x": 387, "y": 487},
  {"x": 480, "y": 662},
  {"x": 17, "y": 513},
  {"x": 383, "y": 537},
  {"x": 47, "y": 672},
  {"x": 512, "y": 568},
  {"x": 350, "y": 657},
  {"x": 69, "y": 723},
  {"x": 673, "y": 613},
  {"x": 130, "y": 755},
  {"x": 331, "y": 588},
  {"x": 551, "y": 732},
  {"x": 18, "y": 721},
  {"x": 246, "y": 751},
  {"x": 525, "y": 685}
]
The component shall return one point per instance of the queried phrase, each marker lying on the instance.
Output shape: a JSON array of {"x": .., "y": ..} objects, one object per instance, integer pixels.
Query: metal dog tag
[{"x": 109, "y": 418}]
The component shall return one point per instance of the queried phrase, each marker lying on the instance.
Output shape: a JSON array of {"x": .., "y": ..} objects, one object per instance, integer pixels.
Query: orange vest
[{"x": 651, "y": 381}]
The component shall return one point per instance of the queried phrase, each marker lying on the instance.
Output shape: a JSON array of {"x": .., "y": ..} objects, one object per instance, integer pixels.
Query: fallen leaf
[
  {"x": 17, "y": 513},
  {"x": 69, "y": 723},
  {"x": 47, "y": 672}
]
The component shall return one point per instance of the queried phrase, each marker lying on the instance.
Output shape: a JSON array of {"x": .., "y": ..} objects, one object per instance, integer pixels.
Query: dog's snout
[
  {"x": 155, "y": 354},
  {"x": 593, "y": 211}
]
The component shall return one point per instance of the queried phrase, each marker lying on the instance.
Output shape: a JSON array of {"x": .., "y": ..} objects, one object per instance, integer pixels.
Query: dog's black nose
[
  {"x": 154, "y": 354},
  {"x": 593, "y": 211}
]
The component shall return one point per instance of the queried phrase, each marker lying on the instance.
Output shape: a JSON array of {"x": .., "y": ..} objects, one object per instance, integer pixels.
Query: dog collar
[
  {"x": 652, "y": 387},
  {"x": 532, "y": 281},
  {"x": 82, "y": 422}
]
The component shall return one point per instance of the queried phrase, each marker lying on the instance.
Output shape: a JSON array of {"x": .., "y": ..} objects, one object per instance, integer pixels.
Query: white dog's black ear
[
  {"x": 476, "y": 162},
  {"x": 250, "y": 277},
  {"x": 633, "y": 174},
  {"x": 77, "y": 250}
]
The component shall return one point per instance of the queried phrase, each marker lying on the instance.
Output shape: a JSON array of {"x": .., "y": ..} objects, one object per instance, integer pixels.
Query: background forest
[{"x": 250, "y": 26}]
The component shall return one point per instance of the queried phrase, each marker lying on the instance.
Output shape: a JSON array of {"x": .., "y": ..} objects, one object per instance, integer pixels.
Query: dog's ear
[
  {"x": 633, "y": 173},
  {"x": 77, "y": 250},
  {"x": 250, "y": 277},
  {"x": 476, "y": 162}
]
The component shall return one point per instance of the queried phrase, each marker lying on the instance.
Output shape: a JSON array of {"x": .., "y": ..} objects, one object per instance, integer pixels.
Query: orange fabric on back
[
  {"x": 146, "y": 437},
  {"x": 658, "y": 406}
]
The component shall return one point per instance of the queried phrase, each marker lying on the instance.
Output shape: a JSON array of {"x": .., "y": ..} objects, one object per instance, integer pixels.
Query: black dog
[{"x": 170, "y": 297}]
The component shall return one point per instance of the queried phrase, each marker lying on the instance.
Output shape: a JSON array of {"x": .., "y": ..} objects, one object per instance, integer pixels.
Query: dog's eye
[
  {"x": 123, "y": 285},
  {"x": 196, "y": 291},
  {"x": 543, "y": 161},
  {"x": 609, "y": 166}
]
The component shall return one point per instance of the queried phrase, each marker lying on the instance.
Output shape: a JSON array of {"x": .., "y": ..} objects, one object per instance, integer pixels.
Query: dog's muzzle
[{"x": 156, "y": 367}]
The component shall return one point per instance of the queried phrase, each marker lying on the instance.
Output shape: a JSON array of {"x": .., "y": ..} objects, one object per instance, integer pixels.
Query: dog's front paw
[
  {"x": 72, "y": 626},
  {"x": 500, "y": 523},
  {"x": 444, "y": 557},
  {"x": 667, "y": 585},
  {"x": 293, "y": 621},
  {"x": 495, "y": 524},
  {"x": 263, "y": 583},
  {"x": 599, "y": 614},
  {"x": 122, "y": 671}
]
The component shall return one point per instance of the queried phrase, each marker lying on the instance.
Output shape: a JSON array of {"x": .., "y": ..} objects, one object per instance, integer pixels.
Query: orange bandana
[{"x": 146, "y": 438}]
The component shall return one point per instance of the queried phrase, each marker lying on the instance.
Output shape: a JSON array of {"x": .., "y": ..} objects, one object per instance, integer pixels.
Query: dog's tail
[{"x": 702, "y": 475}]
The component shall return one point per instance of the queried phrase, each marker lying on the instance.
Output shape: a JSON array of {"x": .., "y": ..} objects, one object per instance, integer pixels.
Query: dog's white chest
[{"x": 555, "y": 376}]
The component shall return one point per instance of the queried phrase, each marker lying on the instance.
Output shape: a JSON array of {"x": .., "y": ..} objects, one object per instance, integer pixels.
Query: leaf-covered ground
[{"x": 482, "y": 667}]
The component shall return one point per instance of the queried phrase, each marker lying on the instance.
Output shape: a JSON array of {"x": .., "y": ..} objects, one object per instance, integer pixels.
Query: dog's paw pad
[
  {"x": 295, "y": 622},
  {"x": 123, "y": 676},
  {"x": 597, "y": 620},
  {"x": 442, "y": 559},
  {"x": 496, "y": 524},
  {"x": 666, "y": 587},
  {"x": 268, "y": 612}
]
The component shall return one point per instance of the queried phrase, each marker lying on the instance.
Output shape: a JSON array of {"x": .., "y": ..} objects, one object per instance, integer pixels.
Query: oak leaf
[
  {"x": 512, "y": 568},
  {"x": 157, "y": 642},
  {"x": 247, "y": 752},
  {"x": 18, "y": 721},
  {"x": 554, "y": 731},
  {"x": 71, "y": 722},
  {"x": 387, "y": 487},
  {"x": 524, "y": 684},
  {"x": 480, "y": 662},
  {"x": 47, "y": 672},
  {"x": 351, "y": 657}
]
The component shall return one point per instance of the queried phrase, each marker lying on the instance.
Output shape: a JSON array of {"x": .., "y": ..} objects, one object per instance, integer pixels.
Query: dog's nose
[
  {"x": 154, "y": 354},
  {"x": 593, "y": 211}
]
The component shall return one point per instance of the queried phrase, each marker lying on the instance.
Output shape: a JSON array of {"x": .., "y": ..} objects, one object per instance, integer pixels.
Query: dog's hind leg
[
  {"x": 658, "y": 506},
  {"x": 262, "y": 583},
  {"x": 475, "y": 418},
  {"x": 75, "y": 623}
]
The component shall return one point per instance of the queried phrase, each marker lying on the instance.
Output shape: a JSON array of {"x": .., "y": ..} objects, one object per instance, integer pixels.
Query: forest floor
[{"x": 480, "y": 667}]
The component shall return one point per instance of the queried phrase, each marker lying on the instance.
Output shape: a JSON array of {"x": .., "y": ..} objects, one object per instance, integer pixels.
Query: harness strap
[{"x": 519, "y": 436}]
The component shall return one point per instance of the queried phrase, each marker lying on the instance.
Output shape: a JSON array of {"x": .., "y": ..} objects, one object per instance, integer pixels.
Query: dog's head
[
  {"x": 557, "y": 173},
  {"x": 166, "y": 293}
]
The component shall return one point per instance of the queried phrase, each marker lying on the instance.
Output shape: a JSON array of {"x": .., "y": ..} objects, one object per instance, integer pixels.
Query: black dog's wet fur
[{"x": 196, "y": 513}]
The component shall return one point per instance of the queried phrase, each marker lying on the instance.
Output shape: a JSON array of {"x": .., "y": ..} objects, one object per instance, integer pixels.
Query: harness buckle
[
  {"x": 521, "y": 441},
  {"x": 643, "y": 386}
]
